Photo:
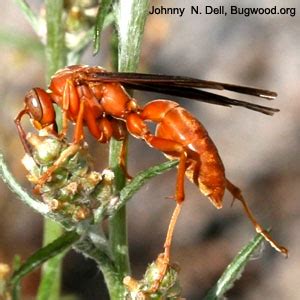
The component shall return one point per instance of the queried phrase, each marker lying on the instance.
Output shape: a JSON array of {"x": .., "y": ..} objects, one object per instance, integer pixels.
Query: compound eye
[{"x": 33, "y": 104}]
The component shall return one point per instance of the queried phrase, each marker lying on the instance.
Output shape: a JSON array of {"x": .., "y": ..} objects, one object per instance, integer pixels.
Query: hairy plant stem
[
  {"x": 112, "y": 278},
  {"x": 118, "y": 233},
  {"x": 55, "y": 59},
  {"x": 130, "y": 17},
  {"x": 118, "y": 224}
]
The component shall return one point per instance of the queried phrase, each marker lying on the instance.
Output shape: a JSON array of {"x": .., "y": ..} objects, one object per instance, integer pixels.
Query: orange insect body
[{"x": 103, "y": 106}]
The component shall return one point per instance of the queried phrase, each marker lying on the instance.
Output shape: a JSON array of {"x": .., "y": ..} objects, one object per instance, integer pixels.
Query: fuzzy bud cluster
[
  {"x": 168, "y": 288},
  {"x": 73, "y": 189}
]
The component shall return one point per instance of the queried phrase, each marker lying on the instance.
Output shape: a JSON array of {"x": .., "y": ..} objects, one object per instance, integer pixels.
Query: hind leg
[{"x": 237, "y": 194}]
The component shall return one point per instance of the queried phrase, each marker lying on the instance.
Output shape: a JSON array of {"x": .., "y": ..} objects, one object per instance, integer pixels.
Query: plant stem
[
  {"x": 51, "y": 271},
  {"x": 131, "y": 16},
  {"x": 55, "y": 58},
  {"x": 118, "y": 231},
  {"x": 111, "y": 275},
  {"x": 55, "y": 46},
  {"x": 11, "y": 182},
  {"x": 118, "y": 224}
]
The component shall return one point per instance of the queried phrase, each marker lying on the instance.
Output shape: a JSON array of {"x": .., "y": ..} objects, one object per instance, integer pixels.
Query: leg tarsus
[
  {"x": 237, "y": 194},
  {"x": 162, "y": 263}
]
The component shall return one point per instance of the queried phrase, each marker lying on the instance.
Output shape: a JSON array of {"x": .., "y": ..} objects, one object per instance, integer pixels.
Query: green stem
[
  {"x": 55, "y": 47},
  {"x": 56, "y": 58},
  {"x": 11, "y": 182},
  {"x": 131, "y": 17},
  {"x": 30, "y": 15},
  {"x": 111, "y": 275},
  {"x": 118, "y": 232},
  {"x": 35, "y": 204},
  {"x": 117, "y": 224},
  {"x": 51, "y": 271}
]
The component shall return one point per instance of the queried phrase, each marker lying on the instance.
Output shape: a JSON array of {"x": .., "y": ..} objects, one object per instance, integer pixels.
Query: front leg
[
  {"x": 70, "y": 105},
  {"x": 71, "y": 150},
  {"x": 21, "y": 131},
  {"x": 70, "y": 99}
]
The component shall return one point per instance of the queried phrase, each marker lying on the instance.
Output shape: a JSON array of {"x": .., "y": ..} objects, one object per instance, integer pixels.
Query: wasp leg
[
  {"x": 69, "y": 100},
  {"x": 179, "y": 196},
  {"x": 120, "y": 134},
  {"x": 137, "y": 127},
  {"x": 70, "y": 104},
  {"x": 164, "y": 258},
  {"x": 65, "y": 107},
  {"x": 21, "y": 131},
  {"x": 237, "y": 194},
  {"x": 71, "y": 150},
  {"x": 123, "y": 162},
  {"x": 78, "y": 132}
]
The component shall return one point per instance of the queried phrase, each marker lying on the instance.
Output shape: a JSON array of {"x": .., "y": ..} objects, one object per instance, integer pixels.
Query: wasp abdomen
[{"x": 204, "y": 165}]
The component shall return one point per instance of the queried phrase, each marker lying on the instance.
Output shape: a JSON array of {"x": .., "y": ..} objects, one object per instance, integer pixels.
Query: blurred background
[{"x": 260, "y": 153}]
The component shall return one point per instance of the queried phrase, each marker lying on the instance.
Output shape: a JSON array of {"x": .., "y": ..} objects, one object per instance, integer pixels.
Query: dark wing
[{"x": 186, "y": 87}]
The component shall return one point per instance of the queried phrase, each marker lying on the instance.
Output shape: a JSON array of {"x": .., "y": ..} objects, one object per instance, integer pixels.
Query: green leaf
[
  {"x": 22, "y": 42},
  {"x": 40, "y": 256},
  {"x": 75, "y": 53},
  {"x": 138, "y": 181},
  {"x": 16, "y": 290},
  {"x": 102, "y": 13},
  {"x": 234, "y": 270},
  {"x": 30, "y": 15}
]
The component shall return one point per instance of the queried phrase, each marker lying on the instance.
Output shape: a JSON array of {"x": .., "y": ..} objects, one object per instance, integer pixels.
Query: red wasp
[{"x": 95, "y": 98}]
